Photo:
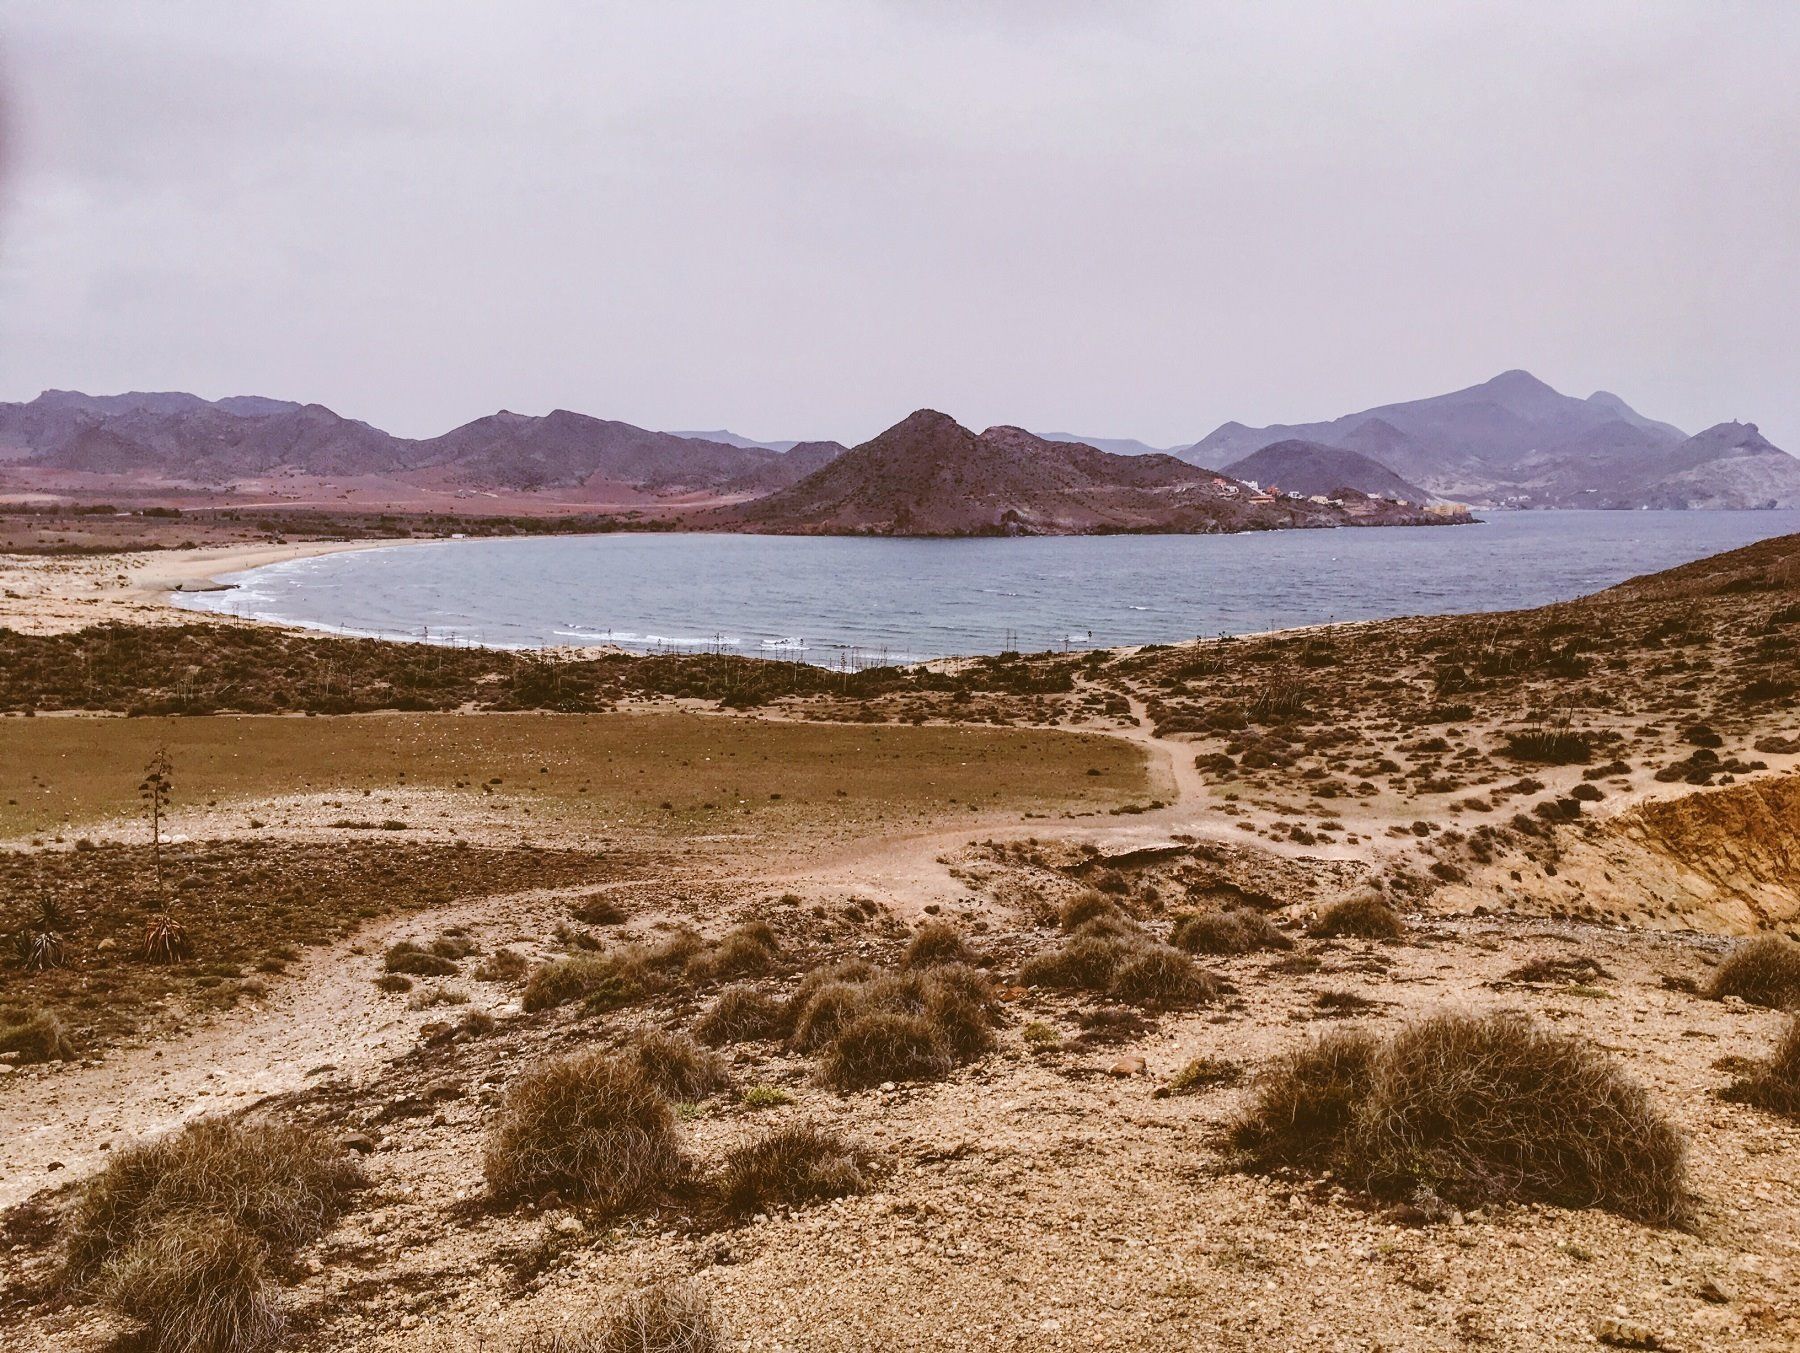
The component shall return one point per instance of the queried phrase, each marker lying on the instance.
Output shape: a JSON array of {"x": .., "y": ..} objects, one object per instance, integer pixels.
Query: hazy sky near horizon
[{"x": 1132, "y": 218}]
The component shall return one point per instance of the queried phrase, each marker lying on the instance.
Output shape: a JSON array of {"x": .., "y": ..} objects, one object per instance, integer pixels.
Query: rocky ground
[{"x": 1067, "y": 1189}]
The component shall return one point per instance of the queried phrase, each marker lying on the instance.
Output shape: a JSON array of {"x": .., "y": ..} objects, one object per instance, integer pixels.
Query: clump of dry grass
[
  {"x": 677, "y": 1066},
  {"x": 883, "y": 1045},
  {"x": 664, "y": 1318},
  {"x": 1159, "y": 975},
  {"x": 1773, "y": 1084},
  {"x": 937, "y": 942},
  {"x": 1363, "y": 917},
  {"x": 799, "y": 1163},
  {"x": 414, "y": 960},
  {"x": 1763, "y": 971},
  {"x": 34, "y": 1035},
  {"x": 742, "y": 951},
  {"x": 740, "y": 1014},
  {"x": 1237, "y": 930},
  {"x": 913, "y": 1025},
  {"x": 589, "y": 1126},
  {"x": 181, "y": 1232},
  {"x": 631, "y": 972},
  {"x": 1086, "y": 906},
  {"x": 612, "y": 977},
  {"x": 1479, "y": 1109},
  {"x": 198, "y": 1283},
  {"x": 503, "y": 965},
  {"x": 1203, "y": 1073},
  {"x": 1107, "y": 953}
]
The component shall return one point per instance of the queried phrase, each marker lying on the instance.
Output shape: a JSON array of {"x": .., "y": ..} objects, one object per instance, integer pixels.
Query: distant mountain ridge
[
  {"x": 177, "y": 438},
  {"x": 930, "y": 476},
  {"x": 1312, "y": 467},
  {"x": 1514, "y": 440}
]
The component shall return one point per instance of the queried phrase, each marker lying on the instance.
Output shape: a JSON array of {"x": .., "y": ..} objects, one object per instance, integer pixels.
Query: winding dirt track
[{"x": 327, "y": 1013}]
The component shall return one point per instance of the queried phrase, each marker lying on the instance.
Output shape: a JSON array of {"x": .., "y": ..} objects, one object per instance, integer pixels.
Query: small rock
[
  {"x": 1130, "y": 1065},
  {"x": 1711, "y": 1289},
  {"x": 1617, "y": 1333},
  {"x": 443, "y": 1089},
  {"x": 360, "y": 1142}
]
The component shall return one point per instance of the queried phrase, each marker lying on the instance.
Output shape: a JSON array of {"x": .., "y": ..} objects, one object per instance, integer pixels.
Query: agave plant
[
  {"x": 40, "y": 940},
  {"x": 165, "y": 939}
]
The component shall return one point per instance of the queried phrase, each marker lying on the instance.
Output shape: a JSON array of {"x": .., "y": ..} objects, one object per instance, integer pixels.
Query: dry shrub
[
  {"x": 665, "y": 1318},
  {"x": 200, "y": 1285},
  {"x": 283, "y": 1184},
  {"x": 743, "y": 951},
  {"x": 826, "y": 1012},
  {"x": 588, "y": 1126},
  {"x": 34, "y": 1035},
  {"x": 740, "y": 1014},
  {"x": 845, "y": 970},
  {"x": 677, "y": 1066},
  {"x": 503, "y": 965},
  {"x": 1202, "y": 1073},
  {"x": 1363, "y": 917},
  {"x": 1086, "y": 906},
  {"x": 180, "y": 1232},
  {"x": 1238, "y": 930},
  {"x": 415, "y": 961},
  {"x": 1477, "y": 1108},
  {"x": 885, "y": 1046},
  {"x": 799, "y": 1163},
  {"x": 1158, "y": 975},
  {"x": 598, "y": 910},
  {"x": 1774, "y": 1084},
  {"x": 1083, "y": 962},
  {"x": 614, "y": 978},
  {"x": 937, "y": 942},
  {"x": 1763, "y": 971},
  {"x": 952, "y": 1003}
]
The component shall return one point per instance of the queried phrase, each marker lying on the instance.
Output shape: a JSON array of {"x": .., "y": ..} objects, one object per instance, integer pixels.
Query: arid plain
[{"x": 967, "y": 995}]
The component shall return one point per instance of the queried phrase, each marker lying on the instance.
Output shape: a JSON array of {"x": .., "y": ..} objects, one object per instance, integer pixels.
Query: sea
[{"x": 859, "y": 601}]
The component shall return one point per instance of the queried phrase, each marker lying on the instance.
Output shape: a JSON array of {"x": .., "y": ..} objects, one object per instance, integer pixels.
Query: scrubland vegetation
[{"x": 658, "y": 1060}]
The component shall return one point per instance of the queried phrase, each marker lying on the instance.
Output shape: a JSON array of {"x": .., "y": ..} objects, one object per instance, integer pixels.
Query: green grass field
[{"x": 686, "y": 772}]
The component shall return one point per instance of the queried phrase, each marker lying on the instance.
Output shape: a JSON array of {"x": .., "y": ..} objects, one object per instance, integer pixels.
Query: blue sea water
[{"x": 837, "y": 600}]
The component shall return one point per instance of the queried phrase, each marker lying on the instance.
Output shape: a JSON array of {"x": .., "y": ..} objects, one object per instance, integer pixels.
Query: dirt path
[{"x": 327, "y": 1015}]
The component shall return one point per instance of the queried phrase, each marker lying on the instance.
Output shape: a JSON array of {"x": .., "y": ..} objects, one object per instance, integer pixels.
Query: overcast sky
[{"x": 1122, "y": 218}]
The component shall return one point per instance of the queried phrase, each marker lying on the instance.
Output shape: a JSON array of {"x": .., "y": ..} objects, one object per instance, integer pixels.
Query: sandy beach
[{"x": 53, "y": 594}]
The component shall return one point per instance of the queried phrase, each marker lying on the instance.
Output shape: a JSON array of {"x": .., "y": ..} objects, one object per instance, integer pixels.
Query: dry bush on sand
[
  {"x": 1775, "y": 1083},
  {"x": 742, "y": 951},
  {"x": 1108, "y": 954},
  {"x": 897, "y": 1026},
  {"x": 1763, "y": 971},
  {"x": 1363, "y": 917},
  {"x": 884, "y": 1046},
  {"x": 589, "y": 1126},
  {"x": 1478, "y": 1108},
  {"x": 799, "y": 1163},
  {"x": 413, "y": 960},
  {"x": 665, "y": 1318},
  {"x": 179, "y": 1232},
  {"x": 617, "y": 977},
  {"x": 34, "y": 1035},
  {"x": 741, "y": 1014},
  {"x": 1084, "y": 907},
  {"x": 677, "y": 1066},
  {"x": 198, "y": 1283},
  {"x": 937, "y": 942},
  {"x": 1237, "y": 930}
]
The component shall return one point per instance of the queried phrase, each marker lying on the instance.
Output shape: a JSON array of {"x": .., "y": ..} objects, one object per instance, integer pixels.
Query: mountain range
[
  {"x": 1515, "y": 441},
  {"x": 174, "y": 440},
  {"x": 930, "y": 476},
  {"x": 1512, "y": 441}
]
